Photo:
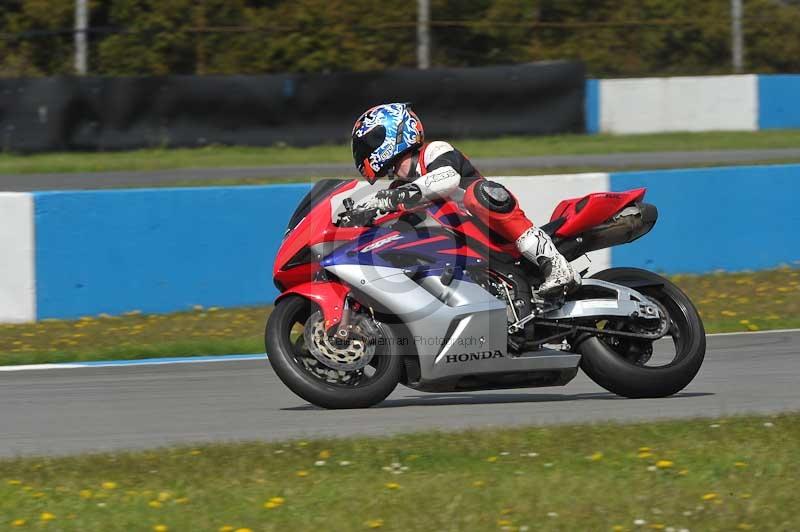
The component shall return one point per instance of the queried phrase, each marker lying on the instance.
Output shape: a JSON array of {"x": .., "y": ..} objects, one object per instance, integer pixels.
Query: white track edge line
[{"x": 239, "y": 358}]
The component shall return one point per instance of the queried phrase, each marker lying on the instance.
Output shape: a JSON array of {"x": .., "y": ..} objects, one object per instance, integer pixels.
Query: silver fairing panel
[{"x": 460, "y": 329}]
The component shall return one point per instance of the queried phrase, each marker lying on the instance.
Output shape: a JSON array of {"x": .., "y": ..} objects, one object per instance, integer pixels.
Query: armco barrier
[{"x": 160, "y": 250}]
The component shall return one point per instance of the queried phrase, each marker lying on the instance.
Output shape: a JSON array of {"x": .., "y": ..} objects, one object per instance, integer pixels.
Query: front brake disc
[{"x": 343, "y": 355}]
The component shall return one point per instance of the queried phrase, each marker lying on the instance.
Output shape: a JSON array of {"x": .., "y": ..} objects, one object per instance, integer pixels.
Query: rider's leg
[{"x": 497, "y": 208}]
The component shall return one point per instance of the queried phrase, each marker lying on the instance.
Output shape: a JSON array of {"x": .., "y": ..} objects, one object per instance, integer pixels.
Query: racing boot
[{"x": 559, "y": 275}]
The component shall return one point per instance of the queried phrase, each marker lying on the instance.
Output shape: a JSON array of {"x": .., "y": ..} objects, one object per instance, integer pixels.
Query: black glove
[{"x": 388, "y": 200}]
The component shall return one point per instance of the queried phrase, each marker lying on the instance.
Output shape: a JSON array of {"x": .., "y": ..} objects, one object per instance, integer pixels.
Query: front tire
[
  {"x": 621, "y": 375},
  {"x": 285, "y": 356}
]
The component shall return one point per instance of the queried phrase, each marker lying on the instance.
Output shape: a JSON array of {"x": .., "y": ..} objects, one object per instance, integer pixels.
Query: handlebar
[{"x": 357, "y": 217}]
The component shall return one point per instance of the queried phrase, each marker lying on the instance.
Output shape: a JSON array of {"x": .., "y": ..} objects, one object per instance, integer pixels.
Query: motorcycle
[{"x": 430, "y": 298}]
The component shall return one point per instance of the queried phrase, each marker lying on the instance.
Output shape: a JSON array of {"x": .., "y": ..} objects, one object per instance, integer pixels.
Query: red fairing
[
  {"x": 594, "y": 209},
  {"x": 327, "y": 294},
  {"x": 317, "y": 228}
]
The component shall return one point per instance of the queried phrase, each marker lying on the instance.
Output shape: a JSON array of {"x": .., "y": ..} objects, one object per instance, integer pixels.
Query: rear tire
[
  {"x": 282, "y": 355},
  {"x": 619, "y": 375}
]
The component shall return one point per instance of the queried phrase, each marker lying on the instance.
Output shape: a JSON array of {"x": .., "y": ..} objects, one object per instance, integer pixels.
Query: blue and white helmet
[{"x": 382, "y": 134}]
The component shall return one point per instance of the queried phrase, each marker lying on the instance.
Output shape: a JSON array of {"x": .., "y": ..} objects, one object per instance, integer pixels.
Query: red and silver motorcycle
[{"x": 429, "y": 298}]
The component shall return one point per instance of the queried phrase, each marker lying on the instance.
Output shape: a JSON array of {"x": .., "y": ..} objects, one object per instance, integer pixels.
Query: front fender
[{"x": 328, "y": 295}]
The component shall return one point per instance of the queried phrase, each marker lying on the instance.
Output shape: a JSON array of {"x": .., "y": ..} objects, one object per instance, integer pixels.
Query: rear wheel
[
  {"x": 640, "y": 368},
  {"x": 355, "y": 373}
]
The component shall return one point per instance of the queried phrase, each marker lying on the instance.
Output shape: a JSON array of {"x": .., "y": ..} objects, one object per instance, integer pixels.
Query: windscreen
[{"x": 319, "y": 191}]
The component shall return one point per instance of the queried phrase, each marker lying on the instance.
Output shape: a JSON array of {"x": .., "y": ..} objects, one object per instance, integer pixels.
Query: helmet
[{"x": 382, "y": 134}]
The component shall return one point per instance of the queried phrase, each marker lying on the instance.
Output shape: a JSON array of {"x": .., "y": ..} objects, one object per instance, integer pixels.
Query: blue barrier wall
[
  {"x": 779, "y": 102},
  {"x": 592, "y": 106},
  {"x": 158, "y": 250},
  {"x": 738, "y": 218}
]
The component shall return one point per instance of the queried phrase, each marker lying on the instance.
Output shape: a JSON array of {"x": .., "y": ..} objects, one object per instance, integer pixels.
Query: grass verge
[
  {"x": 727, "y": 302},
  {"x": 729, "y": 474},
  {"x": 232, "y": 156}
]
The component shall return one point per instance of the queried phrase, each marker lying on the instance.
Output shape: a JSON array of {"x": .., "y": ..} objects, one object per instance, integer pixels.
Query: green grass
[
  {"x": 709, "y": 475},
  {"x": 727, "y": 302},
  {"x": 225, "y": 157}
]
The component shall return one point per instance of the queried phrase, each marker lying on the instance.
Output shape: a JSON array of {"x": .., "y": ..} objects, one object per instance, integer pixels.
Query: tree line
[{"x": 219, "y": 37}]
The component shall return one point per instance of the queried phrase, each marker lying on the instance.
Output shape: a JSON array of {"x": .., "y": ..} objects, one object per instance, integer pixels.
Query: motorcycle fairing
[
  {"x": 457, "y": 329},
  {"x": 580, "y": 214},
  {"x": 329, "y": 295},
  {"x": 423, "y": 251}
]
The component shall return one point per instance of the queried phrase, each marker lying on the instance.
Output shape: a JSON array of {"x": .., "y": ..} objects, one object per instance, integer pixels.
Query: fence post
[
  {"x": 423, "y": 34},
  {"x": 81, "y": 30},
  {"x": 737, "y": 39}
]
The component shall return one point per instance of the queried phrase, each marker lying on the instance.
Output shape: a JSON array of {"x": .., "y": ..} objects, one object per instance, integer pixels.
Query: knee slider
[{"x": 494, "y": 197}]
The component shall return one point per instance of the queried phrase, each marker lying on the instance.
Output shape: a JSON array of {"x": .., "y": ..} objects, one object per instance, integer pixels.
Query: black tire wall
[{"x": 48, "y": 114}]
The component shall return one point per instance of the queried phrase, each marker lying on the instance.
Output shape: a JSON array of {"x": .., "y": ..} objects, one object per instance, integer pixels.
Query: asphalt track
[
  {"x": 489, "y": 166},
  {"x": 63, "y": 411}
]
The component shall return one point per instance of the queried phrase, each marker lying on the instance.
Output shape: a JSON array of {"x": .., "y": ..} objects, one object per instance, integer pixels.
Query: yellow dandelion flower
[
  {"x": 243, "y": 530},
  {"x": 744, "y": 526},
  {"x": 744, "y": 495},
  {"x": 392, "y": 486},
  {"x": 645, "y": 454},
  {"x": 302, "y": 443},
  {"x": 38, "y": 495},
  {"x": 643, "y": 450},
  {"x": 164, "y": 496},
  {"x": 226, "y": 528},
  {"x": 13, "y": 482},
  {"x": 324, "y": 454},
  {"x": 274, "y": 502},
  {"x": 504, "y": 522},
  {"x": 109, "y": 485},
  {"x": 664, "y": 464},
  {"x": 596, "y": 457},
  {"x": 182, "y": 500},
  {"x": 617, "y": 528},
  {"x": 491, "y": 459},
  {"x": 195, "y": 452},
  {"x": 302, "y": 473},
  {"x": 18, "y": 522},
  {"x": 506, "y": 511},
  {"x": 47, "y": 516},
  {"x": 85, "y": 494},
  {"x": 374, "y": 523},
  {"x": 478, "y": 484},
  {"x": 709, "y": 496},
  {"x": 740, "y": 464},
  {"x": 657, "y": 526},
  {"x": 160, "y": 528},
  {"x": 155, "y": 504},
  {"x": 683, "y": 472},
  {"x": 728, "y": 313}
]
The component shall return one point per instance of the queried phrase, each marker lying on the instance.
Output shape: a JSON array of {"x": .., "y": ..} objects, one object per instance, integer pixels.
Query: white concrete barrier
[
  {"x": 652, "y": 105},
  {"x": 17, "y": 258},
  {"x": 539, "y": 195}
]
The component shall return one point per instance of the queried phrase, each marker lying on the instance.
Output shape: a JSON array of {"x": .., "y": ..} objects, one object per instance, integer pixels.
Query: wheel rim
[
  {"x": 367, "y": 361},
  {"x": 668, "y": 351}
]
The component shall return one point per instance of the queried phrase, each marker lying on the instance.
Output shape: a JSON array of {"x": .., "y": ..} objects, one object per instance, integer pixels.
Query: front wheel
[
  {"x": 356, "y": 373},
  {"x": 627, "y": 367}
]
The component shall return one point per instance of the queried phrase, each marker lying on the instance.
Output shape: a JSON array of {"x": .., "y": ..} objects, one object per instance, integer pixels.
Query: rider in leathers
[{"x": 388, "y": 140}]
